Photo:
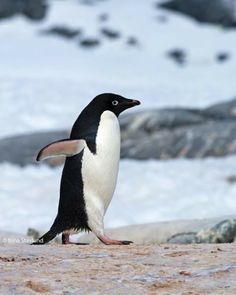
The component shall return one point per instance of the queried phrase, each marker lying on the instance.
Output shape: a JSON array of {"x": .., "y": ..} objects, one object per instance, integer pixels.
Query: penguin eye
[{"x": 115, "y": 102}]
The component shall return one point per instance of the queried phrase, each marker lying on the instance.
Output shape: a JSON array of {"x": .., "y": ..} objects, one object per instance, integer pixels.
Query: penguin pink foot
[
  {"x": 107, "y": 241},
  {"x": 65, "y": 239}
]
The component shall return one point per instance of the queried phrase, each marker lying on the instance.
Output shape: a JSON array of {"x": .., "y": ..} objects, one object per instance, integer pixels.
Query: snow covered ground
[
  {"x": 147, "y": 191},
  {"x": 46, "y": 81},
  {"x": 40, "y": 75}
]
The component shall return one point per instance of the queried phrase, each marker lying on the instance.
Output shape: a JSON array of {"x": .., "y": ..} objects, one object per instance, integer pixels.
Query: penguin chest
[{"x": 100, "y": 170}]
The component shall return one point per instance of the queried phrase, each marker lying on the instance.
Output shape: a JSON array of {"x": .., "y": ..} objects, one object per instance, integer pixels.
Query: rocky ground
[{"x": 135, "y": 269}]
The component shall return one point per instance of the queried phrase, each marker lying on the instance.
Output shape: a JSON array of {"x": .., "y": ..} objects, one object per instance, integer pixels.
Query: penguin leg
[
  {"x": 65, "y": 239},
  {"x": 107, "y": 241}
]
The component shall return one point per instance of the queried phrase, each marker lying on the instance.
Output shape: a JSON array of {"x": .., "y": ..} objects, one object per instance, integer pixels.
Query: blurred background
[{"x": 177, "y": 57}]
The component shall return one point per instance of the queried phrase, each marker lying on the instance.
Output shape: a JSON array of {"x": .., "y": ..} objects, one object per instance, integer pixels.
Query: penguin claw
[{"x": 126, "y": 242}]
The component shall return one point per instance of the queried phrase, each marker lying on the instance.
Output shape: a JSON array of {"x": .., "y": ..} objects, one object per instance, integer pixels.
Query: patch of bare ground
[{"x": 134, "y": 269}]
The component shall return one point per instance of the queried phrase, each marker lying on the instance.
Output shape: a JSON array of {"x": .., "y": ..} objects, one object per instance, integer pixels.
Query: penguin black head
[{"x": 112, "y": 102}]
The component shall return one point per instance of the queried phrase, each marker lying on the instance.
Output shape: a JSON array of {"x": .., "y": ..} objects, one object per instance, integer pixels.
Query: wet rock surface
[
  {"x": 149, "y": 134},
  {"x": 207, "y": 11},
  {"x": 133, "y": 269}
]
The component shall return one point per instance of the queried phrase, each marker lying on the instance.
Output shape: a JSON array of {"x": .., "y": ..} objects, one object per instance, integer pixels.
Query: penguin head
[{"x": 113, "y": 102}]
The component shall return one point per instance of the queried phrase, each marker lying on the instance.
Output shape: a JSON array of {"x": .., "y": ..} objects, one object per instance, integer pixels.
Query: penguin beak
[
  {"x": 136, "y": 102},
  {"x": 133, "y": 102}
]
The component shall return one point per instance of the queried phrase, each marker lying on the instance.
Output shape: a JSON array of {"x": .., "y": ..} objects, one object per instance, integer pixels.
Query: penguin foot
[
  {"x": 65, "y": 239},
  {"x": 107, "y": 241}
]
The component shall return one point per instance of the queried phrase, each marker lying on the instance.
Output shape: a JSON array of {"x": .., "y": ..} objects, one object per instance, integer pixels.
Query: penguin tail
[{"x": 45, "y": 238}]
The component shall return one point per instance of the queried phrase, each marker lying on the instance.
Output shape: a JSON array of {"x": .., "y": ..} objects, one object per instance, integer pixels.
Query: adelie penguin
[{"x": 90, "y": 172}]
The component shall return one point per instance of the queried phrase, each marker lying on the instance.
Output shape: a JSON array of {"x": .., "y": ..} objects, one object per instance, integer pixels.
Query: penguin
[{"x": 90, "y": 171}]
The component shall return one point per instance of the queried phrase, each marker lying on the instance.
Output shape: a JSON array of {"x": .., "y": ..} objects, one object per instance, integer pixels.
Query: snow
[
  {"x": 46, "y": 75},
  {"x": 147, "y": 191},
  {"x": 46, "y": 81}
]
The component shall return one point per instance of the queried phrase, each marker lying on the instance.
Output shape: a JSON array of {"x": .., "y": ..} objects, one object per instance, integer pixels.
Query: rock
[
  {"x": 231, "y": 179},
  {"x": 149, "y": 134},
  {"x": 103, "y": 17},
  {"x": 162, "y": 18},
  {"x": 62, "y": 31},
  {"x": 178, "y": 132},
  {"x": 223, "y": 232},
  {"x": 184, "y": 238},
  {"x": 207, "y": 11},
  {"x": 34, "y": 10},
  {"x": 222, "y": 57},
  {"x": 178, "y": 55},
  {"x": 89, "y": 42},
  {"x": 225, "y": 111},
  {"x": 89, "y": 2},
  {"x": 133, "y": 269},
  {"x": 109, "y": 33},
  {"x": 31, "y": 232},
  {"x": 132, "y": 41},
  {"x": 212, "y": 230}
]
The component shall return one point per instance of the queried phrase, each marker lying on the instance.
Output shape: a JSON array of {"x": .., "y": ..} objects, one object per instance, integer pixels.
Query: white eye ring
[{"x": 115, "y": 102}]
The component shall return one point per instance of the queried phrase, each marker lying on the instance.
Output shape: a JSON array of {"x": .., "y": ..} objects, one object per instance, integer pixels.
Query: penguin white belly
[{"x": 100, "y": 170}]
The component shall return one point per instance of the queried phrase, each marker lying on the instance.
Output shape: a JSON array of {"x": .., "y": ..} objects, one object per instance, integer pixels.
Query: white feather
[{"x": 100, "y": 171}]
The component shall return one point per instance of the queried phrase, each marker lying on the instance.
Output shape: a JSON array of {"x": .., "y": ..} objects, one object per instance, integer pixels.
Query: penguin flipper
[{"x": 64, "y": 147}]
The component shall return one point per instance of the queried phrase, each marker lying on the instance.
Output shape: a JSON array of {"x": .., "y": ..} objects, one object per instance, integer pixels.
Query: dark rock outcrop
[
  {"x": 178, "y": 55},
  {"x": 177, "y": 132},
  {"x": 157, "y": 134},
  {"x": 132, "y": 41},
  {"x": 89, "y": 42},
  {"x": 222, "y": 232},
  {"x": 32, "y": 9},
  {"x": 110, "y": 33},
  {"x": 207, "y": 11},
  {"x": 222, "y": 57},
  {"x": 62, "y": 31}
]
